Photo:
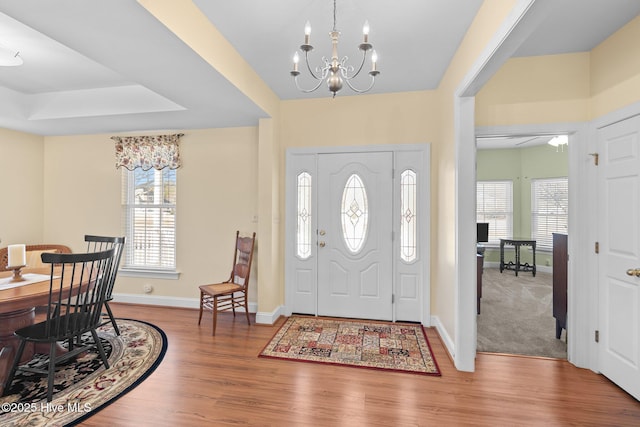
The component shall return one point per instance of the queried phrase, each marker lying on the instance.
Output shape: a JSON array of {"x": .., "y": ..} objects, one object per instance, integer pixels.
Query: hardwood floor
[{"x": 205, "y": 380}]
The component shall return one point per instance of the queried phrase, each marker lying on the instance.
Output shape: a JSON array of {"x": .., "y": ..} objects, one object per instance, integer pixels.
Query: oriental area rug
[
  {"x": 400, "y": 347},
  {"x": 82, "y": 385}
]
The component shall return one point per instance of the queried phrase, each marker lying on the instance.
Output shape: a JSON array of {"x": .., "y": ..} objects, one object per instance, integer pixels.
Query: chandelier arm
[
  {"x": 373, "y": 80},
  {"x": 295, "y": 79},
  {"x": 364, "y": 57},
  {"x": 306, "y": 60}
]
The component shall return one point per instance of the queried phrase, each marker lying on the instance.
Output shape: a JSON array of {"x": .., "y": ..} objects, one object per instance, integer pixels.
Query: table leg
[
  {"x": 501, "y": 256},
  {"x": 9, "y": 322},
  {"x": 534, "y": 259},
  {"x": 6, "y": 361},
  {"x": 517, "y": 248}
]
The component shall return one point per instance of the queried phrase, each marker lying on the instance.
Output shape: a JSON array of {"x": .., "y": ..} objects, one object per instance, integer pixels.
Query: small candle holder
[{"x": 17, "y": 274}]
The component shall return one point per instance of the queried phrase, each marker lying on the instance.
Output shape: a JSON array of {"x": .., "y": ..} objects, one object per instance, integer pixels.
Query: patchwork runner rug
[
  {"x": 401, "y": 347},
  {"x": 82, "y": 385}
]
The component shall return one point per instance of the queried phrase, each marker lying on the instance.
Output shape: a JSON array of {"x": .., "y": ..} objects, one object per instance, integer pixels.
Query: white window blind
[
  {"x": 494, "y": 204},
  {"x": 550, "y": 207},
  {"x": 149, "y": 218}
]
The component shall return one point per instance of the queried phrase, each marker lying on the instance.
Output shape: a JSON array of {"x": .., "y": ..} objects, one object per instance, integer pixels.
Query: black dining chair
[
  {"x": 77, "y": 289},
  {"x": 102, "y": 243}
]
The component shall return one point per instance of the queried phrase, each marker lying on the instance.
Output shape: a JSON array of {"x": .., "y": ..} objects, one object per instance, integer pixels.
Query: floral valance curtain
[{"x": 148, "y": 151}]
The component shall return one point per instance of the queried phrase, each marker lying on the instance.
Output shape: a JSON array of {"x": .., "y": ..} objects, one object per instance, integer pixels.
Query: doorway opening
[{"x": 522, "y": 196}]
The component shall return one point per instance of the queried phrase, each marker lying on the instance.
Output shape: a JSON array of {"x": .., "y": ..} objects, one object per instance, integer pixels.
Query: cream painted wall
[
  {"x": 409, "y": 117},
  {"x": 21, "y": 174},
  {"x": 539, "y": 89},
  {"x": 565, "y": 88},
  {"x": 217, "y": 187},
  {"x": 615, "y": 71}
]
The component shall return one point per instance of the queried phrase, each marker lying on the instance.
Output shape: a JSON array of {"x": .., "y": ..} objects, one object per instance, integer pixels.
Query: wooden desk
[
  {"x": 17, "y": 310},
  {"x": 517, "y": 265}
]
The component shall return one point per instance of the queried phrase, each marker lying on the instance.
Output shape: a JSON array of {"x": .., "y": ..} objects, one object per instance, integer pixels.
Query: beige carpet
[{"x": 517, "y": 315}]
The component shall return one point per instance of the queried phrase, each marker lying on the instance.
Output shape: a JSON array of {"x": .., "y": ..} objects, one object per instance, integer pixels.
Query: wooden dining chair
[
  {"x": 33, "y": 250},
  {"x": 77, "y": 288},
  {"x": 234, "y": 292},
  {"x": 103, "y": 243}
]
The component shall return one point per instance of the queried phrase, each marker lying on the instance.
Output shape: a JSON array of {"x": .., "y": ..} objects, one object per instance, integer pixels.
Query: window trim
[
  {"x": 143, "y": 271},
  {"x": 149, "y": 273}
]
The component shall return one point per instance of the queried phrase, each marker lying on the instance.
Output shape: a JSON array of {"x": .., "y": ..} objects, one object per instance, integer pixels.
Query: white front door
[
  {"x": 355, "y": 250},
  {"x": 619, "y": 259}
]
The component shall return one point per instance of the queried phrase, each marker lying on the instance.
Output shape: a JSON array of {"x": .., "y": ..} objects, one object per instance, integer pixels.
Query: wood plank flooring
[{"x": 219, "y": 381}]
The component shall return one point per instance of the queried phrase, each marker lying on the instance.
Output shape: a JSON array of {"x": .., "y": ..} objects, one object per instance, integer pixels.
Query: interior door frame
[
  {"x": 581, "y": 199},
  {"x": 402, "y": 158},
  {"x": 525, "y": 17}
]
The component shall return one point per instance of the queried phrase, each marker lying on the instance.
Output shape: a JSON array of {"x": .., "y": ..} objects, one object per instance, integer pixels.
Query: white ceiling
[
  {"x": 512, "y": 141},
  {"x": 96, "y": 66}
]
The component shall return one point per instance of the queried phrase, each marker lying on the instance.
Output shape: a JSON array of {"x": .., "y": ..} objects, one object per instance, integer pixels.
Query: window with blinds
[
  {"x": 149, "y": 218},
  {"x": 550, "y": 209},
  {"x": 494, "y": 204}
]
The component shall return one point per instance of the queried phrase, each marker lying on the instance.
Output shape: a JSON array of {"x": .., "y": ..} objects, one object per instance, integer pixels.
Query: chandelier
[{"x": 335, "y": 71}]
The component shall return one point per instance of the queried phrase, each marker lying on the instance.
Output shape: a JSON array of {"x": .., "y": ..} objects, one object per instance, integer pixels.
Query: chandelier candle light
[
  {"x": 17, "y": 259},
  {"x": 335, "y": 71}
]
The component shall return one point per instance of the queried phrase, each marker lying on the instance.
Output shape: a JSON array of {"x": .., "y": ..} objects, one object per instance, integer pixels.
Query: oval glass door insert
[{"x": 354, "y": 213}]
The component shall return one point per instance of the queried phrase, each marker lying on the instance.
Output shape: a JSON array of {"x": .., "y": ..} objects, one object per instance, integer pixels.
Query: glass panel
[
  {"x": 550, "y": 203},
  {"x": 494, "y": 204},
  {"x": 408, "y": 229},
  {"x": 303, "y": 242},
  {"x": 150, "y": 223},
  {"x": 354, "y": 213}
]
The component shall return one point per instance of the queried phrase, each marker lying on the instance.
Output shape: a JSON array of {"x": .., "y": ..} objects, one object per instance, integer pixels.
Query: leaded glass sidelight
[
  {"x": 303, "y": 236},
  {"x": 408, "y": 229},
  {"x": 354, "y": 213}
]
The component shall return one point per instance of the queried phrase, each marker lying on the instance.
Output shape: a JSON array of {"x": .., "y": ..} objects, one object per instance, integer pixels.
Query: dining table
[{"x": 18, "y": 302}]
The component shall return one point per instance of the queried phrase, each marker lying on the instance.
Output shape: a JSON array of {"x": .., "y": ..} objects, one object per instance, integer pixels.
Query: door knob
[
  {"x": 321, "y": 244},
  {"x": 633, "y": 272}
]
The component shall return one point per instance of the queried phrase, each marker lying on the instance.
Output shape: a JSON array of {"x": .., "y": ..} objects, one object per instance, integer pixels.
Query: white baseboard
[
  {"x": 269, "y": 318},
  {"x": 168, "y": 301},
  {"x": 444, "y": 336}
]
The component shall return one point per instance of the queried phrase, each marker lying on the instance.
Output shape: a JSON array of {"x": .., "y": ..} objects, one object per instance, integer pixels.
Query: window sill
[{"x": 152, "y": 274}]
